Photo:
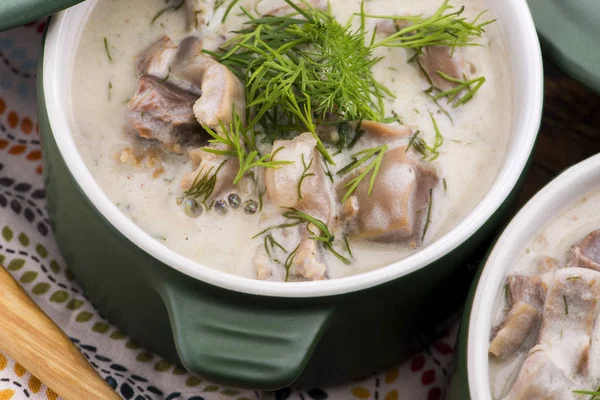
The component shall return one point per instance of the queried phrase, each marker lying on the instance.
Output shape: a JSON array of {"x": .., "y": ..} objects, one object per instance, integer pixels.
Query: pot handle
[
  {"x": 243, "y": 340},
  {"x": 18, "y": 12}
]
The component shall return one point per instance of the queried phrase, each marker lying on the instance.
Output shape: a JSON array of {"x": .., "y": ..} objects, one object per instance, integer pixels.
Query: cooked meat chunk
[
  {"x": 221, "y": 89},
  {"x": 163, "y": 112},
  {"x": 541, "y": 379},
  {"x": 385, "y": 133},
  {"x": 278, "y": 8},
  {"x": 156, "y": 60},
  {"x": 527, "y": 289},
  {"x": 569, "y": 312},
  {"x": 398, "y": 202},
  {"x": 444, "y": 59},
  {"x": 198, "y": 12},
  {"x": 586, "y": 254},
  {"x": 314, "y": 195},
  {"x": 526, "y": 296},
  {"x": 307, "y": 263},
  {"x": 511, "y": 334}
]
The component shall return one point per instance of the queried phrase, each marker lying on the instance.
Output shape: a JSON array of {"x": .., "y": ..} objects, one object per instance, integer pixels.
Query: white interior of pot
[
  {"x": 526, "y": 67},
  {"x": 568, "y": 187}
]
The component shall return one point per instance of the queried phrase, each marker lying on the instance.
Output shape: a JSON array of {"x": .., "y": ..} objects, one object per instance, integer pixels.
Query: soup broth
[{"x": 464, "y": 145}]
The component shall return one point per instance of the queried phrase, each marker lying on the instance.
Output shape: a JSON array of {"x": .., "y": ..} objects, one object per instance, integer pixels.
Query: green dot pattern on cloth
[{"x": 15, "y": 264}]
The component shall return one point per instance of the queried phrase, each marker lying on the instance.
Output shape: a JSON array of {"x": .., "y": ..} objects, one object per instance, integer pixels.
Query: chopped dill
[
  {"x": 327, "y": 171},
  {"x": 359, "y": 159},
  {"x": 358, "y": 133},
  {"x": 445, "y": 185},
  {"x": 204, "y": 184},
  {"x": 270, "y": 244},
  {"x": 348, "y": 249},
  {"x": 234, "y": 138},
  {"x": 595, "y": 394},
  {"x": 428, "y": 220},
  {"x": 566, "y": 305},
  {"x": 260, "y": 199},
  {"x": 439, "y": 139},
  {"x": 107, "y": 50},
  {"x": 110, "y": 86},
  {"x": 325, "y": 236},
  {"x": 471, "y": 86},
  {"x": 572, "y": 278},
  {"x": 228, "y": 10},
  {"x": 304, "y": 175},
  {"x": 272, "y": 228},
  {"x": 301, "y": 67},
  {"x": 164, "y": 10},
  {"x": 445, "y": 27},
  {"x": 289, "y": 261}
]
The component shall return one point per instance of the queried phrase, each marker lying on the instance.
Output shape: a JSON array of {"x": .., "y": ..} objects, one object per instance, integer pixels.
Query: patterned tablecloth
[{"x": 28, "y": 250}]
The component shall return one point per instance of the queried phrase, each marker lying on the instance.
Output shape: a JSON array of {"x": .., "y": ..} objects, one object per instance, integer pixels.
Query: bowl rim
[
  {"x": 549, "y": 202},
  {"x": 526, "y": 128}
]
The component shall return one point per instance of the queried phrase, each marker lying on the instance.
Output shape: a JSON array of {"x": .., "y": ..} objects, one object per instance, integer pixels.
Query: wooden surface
[
  {"x": 35, "y": 342},
  {"x": 570, "y": 130}
]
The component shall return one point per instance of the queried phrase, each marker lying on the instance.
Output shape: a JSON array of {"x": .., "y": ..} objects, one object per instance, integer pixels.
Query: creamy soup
[
  {"x": 545, "y": 344},
  {"x": 363, "y": 181}
]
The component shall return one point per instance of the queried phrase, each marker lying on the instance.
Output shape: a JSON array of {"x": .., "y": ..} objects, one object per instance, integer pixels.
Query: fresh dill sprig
[
  {"x": 204, "y": 184},
  {"x": 359, "y": 159},
  {"x": 270, "y": 245},
  {"x": 305, "y": 174},
  {"x": 107, "y": 50},
  {"x": 595, "y": 394},
  {"x": 301, "y": 67},
  {"x": 427, "y": 152},
  {"x": 164, "y": 10},
  {"x": 234, "y": 138},
  {"x": 324, "y": 235},
  {"x": 439, "y": 139},
  {"x": 444, "y": 28},
  {"x": 289, "y": 261},
  {"x": 232, "y": 4},
  {"x": 471, "y": 86},
  {"x": 428, "y": 218}
]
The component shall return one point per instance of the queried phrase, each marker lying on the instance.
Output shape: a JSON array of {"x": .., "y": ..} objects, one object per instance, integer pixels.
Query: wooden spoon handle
[{"x": 38, "y": 344}]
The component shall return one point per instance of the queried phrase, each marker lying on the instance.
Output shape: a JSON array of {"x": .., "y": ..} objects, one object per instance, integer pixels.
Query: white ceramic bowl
[{"x": 568, "y": 187}]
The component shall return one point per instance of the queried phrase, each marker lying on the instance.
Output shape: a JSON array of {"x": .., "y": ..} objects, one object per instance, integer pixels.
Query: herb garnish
[
  {"x": 204, "y": 184},
  {"x": 439, "y": 140},
  {"x": 228, "y": 10},
  {"x": 164, "y": 10},
  {"x": 365, "y": 155},
  {"x": 440, "y": 29},
  {"x": 595, "y": 394},
  {"x": 301, "y": 66},
  {"x": 323, "y": 236},
  {"x": 566, "y": 305},
  {"x": 235, "y": 139},
  {"x": 461, "y": 86},
  {"x": 289, "y": 261},
  {"x": 428, "y": 220},
  {"x": 304, "y": 175},
  {"x": 107, "y": 49},
  {"x": 110, "y": 86},
  {"x": 270, "y": 244}
]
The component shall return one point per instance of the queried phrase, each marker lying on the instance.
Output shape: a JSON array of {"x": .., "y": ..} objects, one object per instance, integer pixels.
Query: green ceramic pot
[
  {"x": 470, "y": 377},
  {"x": 249, "y": 333}
]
